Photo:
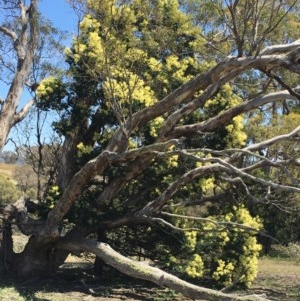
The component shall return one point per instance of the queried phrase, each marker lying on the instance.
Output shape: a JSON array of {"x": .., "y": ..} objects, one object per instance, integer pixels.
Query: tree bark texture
[{"x": 6, "y": 248}]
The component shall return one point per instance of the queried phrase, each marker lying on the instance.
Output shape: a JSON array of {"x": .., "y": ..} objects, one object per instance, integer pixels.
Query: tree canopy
[{"x": 180, "y": 120}]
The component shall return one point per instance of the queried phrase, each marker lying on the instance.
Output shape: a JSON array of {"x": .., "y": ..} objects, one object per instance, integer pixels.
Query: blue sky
[{"x": 60, "y": 13}]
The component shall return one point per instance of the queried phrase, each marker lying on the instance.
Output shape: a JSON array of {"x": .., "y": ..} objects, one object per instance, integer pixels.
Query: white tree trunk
[{"x": 25, "y": 44}]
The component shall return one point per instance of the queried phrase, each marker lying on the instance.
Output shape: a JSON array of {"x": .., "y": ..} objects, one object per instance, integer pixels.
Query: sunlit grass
[
  {"x": 278, "y": 266},
  {"x": 7, "y": 171},
  {"x": 10, "y": 294},
  {"x": 278, "y": 278}
]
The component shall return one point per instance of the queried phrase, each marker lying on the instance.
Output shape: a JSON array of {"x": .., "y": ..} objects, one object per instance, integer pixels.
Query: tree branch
[
  {"x": 9, "y": 33},
  {"x": 211, "y": 221},
  {"x": 24, "y": 111},
  {"x": 89, "y": 170},
  {"x": 228, "y": 68},
  {"x": 155, "y": 275},
  {"x": 215, "y": 165},
  {"x": 222, "y": 118},
  {"x": 266, "y": 143},
  {"x": 156, "y": 205},
  {"x": 280, "y": 49}
]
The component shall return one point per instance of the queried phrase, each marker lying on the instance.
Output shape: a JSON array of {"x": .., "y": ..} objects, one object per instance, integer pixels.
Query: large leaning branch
[
  {"x": 82, "y": 177},
  {"x": 219, "y": 120},
  {"x": 155, "y": 275},
  {"x": 279, "y": 49},
  {"x": 228, "y": 69}
]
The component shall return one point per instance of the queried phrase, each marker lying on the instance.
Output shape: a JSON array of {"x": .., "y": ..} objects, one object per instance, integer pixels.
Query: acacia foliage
[
  {"x": 225, "y": 253},
  {"x": 126, "y": 58},
  {"x": 153, "y": 121}
]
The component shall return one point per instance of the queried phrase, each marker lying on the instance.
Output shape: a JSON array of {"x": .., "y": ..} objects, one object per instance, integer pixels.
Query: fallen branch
[{"x": 155, "y": 275}]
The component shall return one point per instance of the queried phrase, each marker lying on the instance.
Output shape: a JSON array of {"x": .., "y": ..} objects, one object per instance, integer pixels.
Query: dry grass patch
[
  {"x": 278, "y": 278},
  {"x": 278, "y": 267},
  {"x": 7, "y": 170}
]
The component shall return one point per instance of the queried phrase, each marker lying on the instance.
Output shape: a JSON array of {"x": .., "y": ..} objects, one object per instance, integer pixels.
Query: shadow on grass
[{"x": 77, "y": 282}]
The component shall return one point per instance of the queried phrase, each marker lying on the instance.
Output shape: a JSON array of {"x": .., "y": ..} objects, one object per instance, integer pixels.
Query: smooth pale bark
[
  {"x": 155, "y": 275},
  {"x": 25, "y": 45}
]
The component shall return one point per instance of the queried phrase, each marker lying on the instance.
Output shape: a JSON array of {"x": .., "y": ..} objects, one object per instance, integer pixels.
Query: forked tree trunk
[{"x": 39, "y": 258}]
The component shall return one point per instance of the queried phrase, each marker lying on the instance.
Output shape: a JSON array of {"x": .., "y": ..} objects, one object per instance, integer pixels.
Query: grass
[
  {"x": 278, "y": 279},
  {"x": 7, "y": 170},
  {"x": 278, "y": 266}
]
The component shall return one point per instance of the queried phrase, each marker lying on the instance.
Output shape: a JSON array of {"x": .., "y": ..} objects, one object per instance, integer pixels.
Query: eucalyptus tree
[
  {"x": 19, "y": 41},
  {"x": 29, "y": 51}
]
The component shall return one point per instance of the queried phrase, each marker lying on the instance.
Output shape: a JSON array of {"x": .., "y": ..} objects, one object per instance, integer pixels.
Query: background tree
[
  {"x": 29, "y": 46},
  {"x": 26, "y": 180},
  {"x": 285, "y": 206},
  {"x": 152, "y": 123},
  {"x": 39, "y": 149},
  {"x": 20, "y": 33}
]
